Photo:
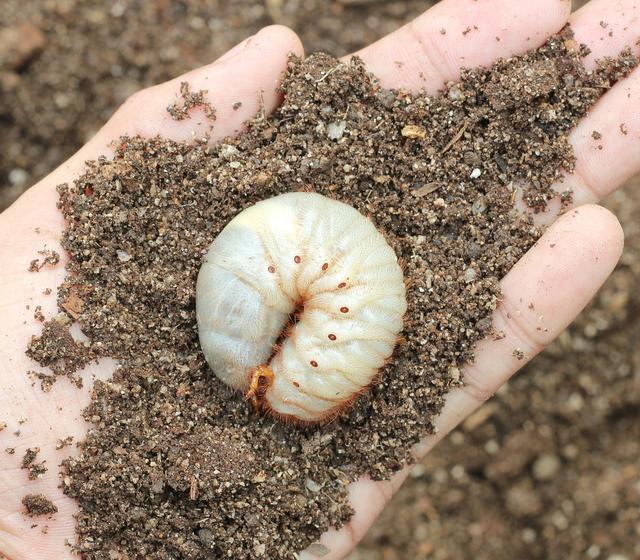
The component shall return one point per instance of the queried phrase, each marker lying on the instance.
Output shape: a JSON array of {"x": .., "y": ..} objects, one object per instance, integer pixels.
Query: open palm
[{"x": 559, "y": 274}]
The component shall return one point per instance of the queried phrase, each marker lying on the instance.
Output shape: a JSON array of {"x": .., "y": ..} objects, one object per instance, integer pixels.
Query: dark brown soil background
[{"x": 544, "y": 470}]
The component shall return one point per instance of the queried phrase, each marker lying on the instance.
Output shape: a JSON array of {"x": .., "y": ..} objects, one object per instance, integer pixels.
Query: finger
[
  {"x": 238, "y": 85},
  {"x": 368, "y": 499},
  {"x": 606, "y": 141},
  {"x": 607, "y": 144},
  {"x": 542, "y": 294},
  {"x": 429, "y": 51},
  {"x": 606, "y": 27}
]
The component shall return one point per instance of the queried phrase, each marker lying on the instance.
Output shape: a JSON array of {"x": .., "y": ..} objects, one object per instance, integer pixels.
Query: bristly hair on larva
[{"x": 300, "y": 302}]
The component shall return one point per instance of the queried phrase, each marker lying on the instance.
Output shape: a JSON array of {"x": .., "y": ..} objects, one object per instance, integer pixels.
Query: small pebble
[
  {"x": 335, "y": 130},
  {"x": 546, "y": 467},
  {"x": 313, "y": 486},
  {"x": 18, "y": 177},
  {"x": 123, "y": 256}
]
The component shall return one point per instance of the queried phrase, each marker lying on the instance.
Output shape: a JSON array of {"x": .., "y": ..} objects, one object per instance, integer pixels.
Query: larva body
[{"x": 299, "y": 302}]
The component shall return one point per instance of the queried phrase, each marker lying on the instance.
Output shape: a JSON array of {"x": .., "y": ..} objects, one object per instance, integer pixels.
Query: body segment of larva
[{"x": 300, "y": 301}]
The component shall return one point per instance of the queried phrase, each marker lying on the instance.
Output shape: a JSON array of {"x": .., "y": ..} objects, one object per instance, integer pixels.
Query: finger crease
[
  {"x": 385, "y": 490},
  {"x": 434, "y": 57},
  {"x": 352, "y": 534},
  {"x": 474, "y": 386},
  {"x": 521, "y": 331},
  {"x": 587, "y": 183}
]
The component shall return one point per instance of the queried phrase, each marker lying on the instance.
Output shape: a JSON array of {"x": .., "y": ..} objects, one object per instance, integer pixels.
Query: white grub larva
[{"x": 300, "y": 302}]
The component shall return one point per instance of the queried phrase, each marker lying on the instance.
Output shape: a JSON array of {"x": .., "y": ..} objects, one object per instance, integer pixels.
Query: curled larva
[{"x": 299, "y": 301}]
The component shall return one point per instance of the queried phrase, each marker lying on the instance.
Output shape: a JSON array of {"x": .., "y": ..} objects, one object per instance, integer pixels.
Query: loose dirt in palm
[{"x": 177, "y": 466}]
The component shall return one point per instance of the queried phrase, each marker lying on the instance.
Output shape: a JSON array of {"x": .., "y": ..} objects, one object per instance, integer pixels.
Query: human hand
[{"x": 587, "y": 245}]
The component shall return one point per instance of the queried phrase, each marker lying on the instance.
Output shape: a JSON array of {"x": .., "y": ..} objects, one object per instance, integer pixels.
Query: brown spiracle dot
[
  {"x": 297, "y": 259},
  {"x": 342, "y": 285},
  {"x": 296, "y": 384},
  {"x": 332, "y": 337},
  {"x": 314, "y": 363},
  {"x": 325, "y": 266},
  {"x": 344, "y": 309},
  {"x": 271, "y": 269}
]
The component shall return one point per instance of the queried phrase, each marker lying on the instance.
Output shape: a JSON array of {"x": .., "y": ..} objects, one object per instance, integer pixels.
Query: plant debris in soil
[
  {"x": 189, "y": 101},
  {"x": 49, "y": 258},
  {"x": 176, "y": 465},
  {"x": 36, "y": 470}
]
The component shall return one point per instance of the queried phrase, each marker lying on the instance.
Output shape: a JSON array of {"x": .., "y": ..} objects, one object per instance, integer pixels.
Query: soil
[
  {"x": 175, "y": 457},
  {"x": 190, "y": 100},
  {"x": 449, "y": 508},
  {"x": 57, "y": 350},
  {"x": 37, "y": 504},
  {"x": 36, "y": 470}
]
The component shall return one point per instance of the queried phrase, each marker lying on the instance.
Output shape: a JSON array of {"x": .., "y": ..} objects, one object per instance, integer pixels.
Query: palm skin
[{"x": 582, "y": 246}]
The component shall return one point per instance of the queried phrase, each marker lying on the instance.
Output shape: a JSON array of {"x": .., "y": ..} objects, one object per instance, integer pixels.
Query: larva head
[
  {"x": 300, "y": 251},
  {"x": 261, "y": 380}
]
